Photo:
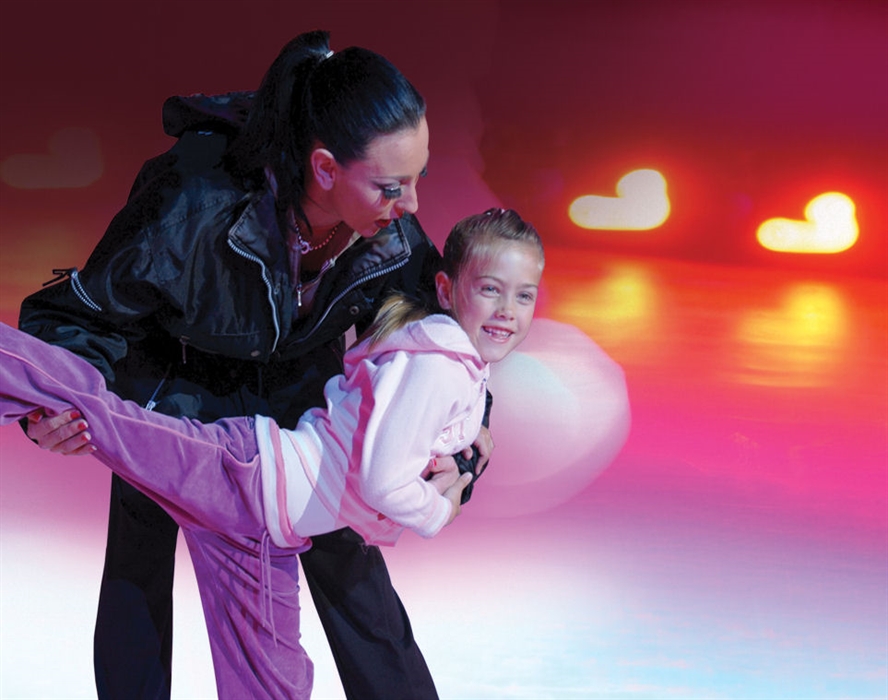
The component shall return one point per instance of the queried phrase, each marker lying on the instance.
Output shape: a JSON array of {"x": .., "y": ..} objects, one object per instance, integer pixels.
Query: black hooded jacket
[{"x": 186, "y": 304}]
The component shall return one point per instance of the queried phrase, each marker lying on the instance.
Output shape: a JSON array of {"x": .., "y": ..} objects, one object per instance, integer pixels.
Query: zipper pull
[
  {"x": 299, "y": 294},
  {"x": 60, "y": 274},
  {"x": 183, "y": 340},
  {"x": 152, "y": 402}
]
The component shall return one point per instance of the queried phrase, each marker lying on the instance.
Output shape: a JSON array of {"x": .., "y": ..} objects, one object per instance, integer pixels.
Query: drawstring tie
[{"x": 266, "y": 594}]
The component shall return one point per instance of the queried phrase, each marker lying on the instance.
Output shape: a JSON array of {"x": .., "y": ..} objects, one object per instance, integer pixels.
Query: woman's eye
[{"x": 391, "y": 192}]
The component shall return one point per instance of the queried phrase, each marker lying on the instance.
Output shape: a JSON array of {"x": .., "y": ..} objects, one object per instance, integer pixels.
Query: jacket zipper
[
  {"x": 76, "y": 285},
  {"x": 267, "y": 280},
  {"x": 359, "y": 281},
  {"x": 326, "y": 267}
]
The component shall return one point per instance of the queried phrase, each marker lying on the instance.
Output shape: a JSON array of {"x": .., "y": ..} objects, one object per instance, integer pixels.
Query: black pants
[{"x": 365, "y": 622}]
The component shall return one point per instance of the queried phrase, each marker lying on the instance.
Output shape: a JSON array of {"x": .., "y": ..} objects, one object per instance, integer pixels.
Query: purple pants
[{"x": 207, "y": 477}]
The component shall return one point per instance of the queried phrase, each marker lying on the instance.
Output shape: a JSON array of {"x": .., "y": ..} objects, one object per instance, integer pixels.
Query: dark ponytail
[{"x": 311, "y": 95}]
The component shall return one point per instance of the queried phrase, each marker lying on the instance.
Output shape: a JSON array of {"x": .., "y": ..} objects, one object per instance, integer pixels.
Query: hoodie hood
[{"x": 436, "y": 333}]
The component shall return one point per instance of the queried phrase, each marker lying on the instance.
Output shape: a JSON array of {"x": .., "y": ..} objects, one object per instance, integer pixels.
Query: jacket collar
[{"x": 257, "y": 231}]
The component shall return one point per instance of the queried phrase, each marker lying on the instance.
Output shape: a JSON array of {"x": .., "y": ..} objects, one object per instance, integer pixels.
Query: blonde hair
[
  {"x": 396, "y": 312},
  {"x": 472, "y": 236},
  {"x": 476, "y": 235}
]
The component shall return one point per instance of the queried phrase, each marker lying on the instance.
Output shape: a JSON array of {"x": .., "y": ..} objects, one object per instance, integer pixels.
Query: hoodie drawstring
[{"x": 267, "y": 595}]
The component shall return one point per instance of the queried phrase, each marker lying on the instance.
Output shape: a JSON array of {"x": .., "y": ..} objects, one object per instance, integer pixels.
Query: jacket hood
[
  {"x": 225, "y": 113},
  {"x": 436, "y": 333}
]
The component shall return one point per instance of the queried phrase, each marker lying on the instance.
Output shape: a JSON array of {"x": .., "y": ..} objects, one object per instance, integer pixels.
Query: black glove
[{"x": 468, "y": 465}]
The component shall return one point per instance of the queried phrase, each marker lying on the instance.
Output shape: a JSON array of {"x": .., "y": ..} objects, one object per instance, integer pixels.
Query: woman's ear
[
  {"x": 323, "y": 167},
  {"x": 444, "y": 289}
]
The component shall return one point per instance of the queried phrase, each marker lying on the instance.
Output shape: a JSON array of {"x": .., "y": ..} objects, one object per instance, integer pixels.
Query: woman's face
[{"x": 368, "y": 193}]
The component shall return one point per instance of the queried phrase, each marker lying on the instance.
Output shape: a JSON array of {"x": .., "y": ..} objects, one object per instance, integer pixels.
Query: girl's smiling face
[{"x": 493, "y": 296}]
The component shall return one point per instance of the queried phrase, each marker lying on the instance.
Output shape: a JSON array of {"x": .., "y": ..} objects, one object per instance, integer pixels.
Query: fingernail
[
  {"x": 75, "y": 415},
  {"x": 85, "y": 437}
]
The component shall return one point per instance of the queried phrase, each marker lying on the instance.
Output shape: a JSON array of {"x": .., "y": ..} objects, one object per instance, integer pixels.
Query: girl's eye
[
  {"x": 526, "y": 298},
  {"x": 391, "y": 192},
  {"x": 488, "y": 289}
]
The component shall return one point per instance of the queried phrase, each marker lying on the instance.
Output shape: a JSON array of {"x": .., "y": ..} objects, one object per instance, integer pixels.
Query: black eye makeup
[{"x": 395, "y": 191}]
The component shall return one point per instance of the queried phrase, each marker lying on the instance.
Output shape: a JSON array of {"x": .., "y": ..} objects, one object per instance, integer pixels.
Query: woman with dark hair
[
  {"x": 224, "y": 288},
  {"x": 246, "y": 480},
  {"x": 347, "y": 100}
]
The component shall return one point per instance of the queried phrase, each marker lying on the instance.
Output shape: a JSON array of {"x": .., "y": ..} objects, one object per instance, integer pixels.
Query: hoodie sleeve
[{"x": 415, "y": 397}]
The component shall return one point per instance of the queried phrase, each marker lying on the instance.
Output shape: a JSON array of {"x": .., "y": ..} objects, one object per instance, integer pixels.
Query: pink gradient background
[{"x": 737, "y": 546}]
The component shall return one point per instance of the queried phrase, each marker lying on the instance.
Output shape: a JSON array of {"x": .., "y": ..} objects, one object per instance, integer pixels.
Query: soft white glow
[
  {"x": 559, "y": 393},
  {"x": 641, "y": 204},
  {"x": 830, "y": 226}
]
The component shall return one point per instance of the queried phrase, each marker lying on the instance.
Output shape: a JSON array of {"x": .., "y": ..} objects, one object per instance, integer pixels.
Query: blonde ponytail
[{"x": 396, "y": 312}]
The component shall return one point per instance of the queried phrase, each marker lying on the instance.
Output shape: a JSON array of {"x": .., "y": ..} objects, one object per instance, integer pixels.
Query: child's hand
[
  {"x": 64, "y": 433},
  {"x": 454, "y": 494},
  {"x": 442, "y": 473}
]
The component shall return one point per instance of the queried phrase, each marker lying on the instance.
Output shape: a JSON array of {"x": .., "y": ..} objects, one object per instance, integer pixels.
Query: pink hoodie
[{"x": 418, "y": 394}]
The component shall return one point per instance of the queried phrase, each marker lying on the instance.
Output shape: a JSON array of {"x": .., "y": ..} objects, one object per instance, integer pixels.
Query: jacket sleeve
[
  {"x": 414, "y": 398},
  {"x": 99, "y": 311},
  {"x": 95, "y": 312}
]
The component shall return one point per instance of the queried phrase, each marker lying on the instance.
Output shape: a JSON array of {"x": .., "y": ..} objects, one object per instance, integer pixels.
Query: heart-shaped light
[
  {"x": 641, "y": 204},
  {"x": 830, "y": 226},
  {"x": 74, "y": 159}
]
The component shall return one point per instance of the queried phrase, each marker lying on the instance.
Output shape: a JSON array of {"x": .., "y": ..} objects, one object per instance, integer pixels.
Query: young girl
[{"x": 413, "y": 390}]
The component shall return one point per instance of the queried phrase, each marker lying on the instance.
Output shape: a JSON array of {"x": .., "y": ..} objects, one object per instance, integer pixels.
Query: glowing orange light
[
  {"x": 801, "y": 342},
  {"x": 617, "y": 308},
  {"x": 641, "y": 204},
  {"x": 830, "y": 227}
]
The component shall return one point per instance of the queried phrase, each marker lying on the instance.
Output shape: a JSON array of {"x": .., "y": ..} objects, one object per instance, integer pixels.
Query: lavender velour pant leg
[
  {"x": 202, "y": 474},
  {"x": 207, "y": 478},
  {"x": 250, "y": 597}
]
